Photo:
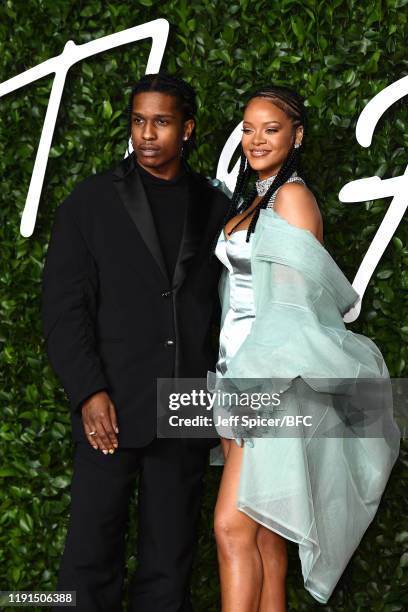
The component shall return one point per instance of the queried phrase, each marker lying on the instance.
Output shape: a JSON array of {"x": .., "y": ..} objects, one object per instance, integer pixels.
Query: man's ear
[{"x": 188, "y": 128}]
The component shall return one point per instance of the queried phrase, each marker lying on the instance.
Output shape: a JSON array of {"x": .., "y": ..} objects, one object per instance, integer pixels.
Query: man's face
[{"x": 158, "y": 132}]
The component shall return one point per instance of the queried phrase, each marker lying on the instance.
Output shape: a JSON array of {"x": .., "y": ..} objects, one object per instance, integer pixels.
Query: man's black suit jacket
[{"x": 112, "y": 318}]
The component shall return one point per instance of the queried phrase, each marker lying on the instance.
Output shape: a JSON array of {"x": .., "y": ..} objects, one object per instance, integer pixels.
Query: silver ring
[{"x": 92, "y": 433}]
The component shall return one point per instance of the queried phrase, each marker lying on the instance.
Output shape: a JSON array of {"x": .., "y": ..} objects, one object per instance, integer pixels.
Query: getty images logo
[{"x": 371, "y": 188}]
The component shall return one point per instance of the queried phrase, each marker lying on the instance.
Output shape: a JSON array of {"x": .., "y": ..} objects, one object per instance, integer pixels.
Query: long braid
[
  {"x": 242, "y": 181},
  {"x": 244, "y": 174}
]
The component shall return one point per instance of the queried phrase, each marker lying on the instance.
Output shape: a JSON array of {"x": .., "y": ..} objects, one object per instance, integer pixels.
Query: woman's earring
[
  {"x": 246, "y": 163},
  {"x": 297, "y": 145}
]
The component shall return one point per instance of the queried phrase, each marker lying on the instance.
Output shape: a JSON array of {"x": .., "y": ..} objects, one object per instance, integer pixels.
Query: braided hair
[
  {"x": 171, "y": 85},
  {"x": 292, "y": 104}
]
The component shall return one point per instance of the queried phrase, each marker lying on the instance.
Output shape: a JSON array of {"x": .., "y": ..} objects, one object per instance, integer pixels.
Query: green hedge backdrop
[{"x": 338, "y": 54}]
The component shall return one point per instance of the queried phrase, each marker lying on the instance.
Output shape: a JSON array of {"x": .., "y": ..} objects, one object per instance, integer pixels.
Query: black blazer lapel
[
  {"x": 131, "y": 191},
  {"x": 195, "y": 222}
]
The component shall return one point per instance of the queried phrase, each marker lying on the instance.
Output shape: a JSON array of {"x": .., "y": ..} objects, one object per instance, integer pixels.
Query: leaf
[
  {"x": 26, "y": 522},
  {"x": 106, "y": 109},
  {"x": 383, "y": 274},
  {"x": 402, "y": 537},
  {"x": 91, "y": 9},
  {"x": 87, "y": 70},
  {"x": 7, "y": 472},
  {"x": 397, "y": 243},
  {"x": 61, "y": 482},
  {"x": 58, "y": 430},
  {"x": 332, "y": 61},
  {"x": 298, "y": 27}
]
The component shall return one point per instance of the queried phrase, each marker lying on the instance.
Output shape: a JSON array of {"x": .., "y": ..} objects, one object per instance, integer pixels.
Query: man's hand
[{"x": 99, "y": 415}]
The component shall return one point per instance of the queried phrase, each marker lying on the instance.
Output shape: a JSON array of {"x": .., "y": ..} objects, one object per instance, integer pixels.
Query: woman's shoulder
[{"x": 296, "y": 203}]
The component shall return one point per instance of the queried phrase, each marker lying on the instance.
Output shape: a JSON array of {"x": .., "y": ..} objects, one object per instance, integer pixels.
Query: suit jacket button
[{"x": 169, "y": 342}]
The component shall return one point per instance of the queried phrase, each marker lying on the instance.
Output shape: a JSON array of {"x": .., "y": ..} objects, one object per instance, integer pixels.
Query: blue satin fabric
[{"x": 235, "y": 253}]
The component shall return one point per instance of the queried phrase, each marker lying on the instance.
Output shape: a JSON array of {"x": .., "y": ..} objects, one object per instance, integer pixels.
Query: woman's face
[
  {"x": 268, "y": 135},
  {"x": 158, "y": 132}
]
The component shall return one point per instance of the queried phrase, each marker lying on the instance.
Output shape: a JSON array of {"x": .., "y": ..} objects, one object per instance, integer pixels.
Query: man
[{"x": 129, "y": 294}]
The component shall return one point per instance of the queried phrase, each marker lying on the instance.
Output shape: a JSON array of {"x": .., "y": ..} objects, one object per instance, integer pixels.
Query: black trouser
[{"x": 170, "y": 491}]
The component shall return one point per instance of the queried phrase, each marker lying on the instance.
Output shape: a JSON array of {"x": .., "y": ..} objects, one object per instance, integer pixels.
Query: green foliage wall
[{"x": 338, "y": 54}]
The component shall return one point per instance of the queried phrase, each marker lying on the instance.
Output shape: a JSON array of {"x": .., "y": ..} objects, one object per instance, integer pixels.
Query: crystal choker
[{"x": 263, "y": 185}]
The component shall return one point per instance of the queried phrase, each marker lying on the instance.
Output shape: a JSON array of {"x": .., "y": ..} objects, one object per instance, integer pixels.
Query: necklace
[{"x": 263, "y": 185}]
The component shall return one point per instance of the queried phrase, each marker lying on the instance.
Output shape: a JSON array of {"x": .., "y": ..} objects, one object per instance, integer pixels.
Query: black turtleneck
[{"x": 168, "y": 199}]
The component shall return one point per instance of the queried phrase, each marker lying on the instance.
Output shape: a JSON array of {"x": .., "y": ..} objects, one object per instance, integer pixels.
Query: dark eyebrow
[
  {"x": 265, "y": 122},
  {"x": 158, "y": 116}
]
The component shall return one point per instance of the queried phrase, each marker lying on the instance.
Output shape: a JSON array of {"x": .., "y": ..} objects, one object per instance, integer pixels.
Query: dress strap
[{"x": 295, "y": 178}]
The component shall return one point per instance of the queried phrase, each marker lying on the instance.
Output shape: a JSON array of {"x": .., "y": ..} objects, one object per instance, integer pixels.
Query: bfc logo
[{"x": 362, "y": 190}]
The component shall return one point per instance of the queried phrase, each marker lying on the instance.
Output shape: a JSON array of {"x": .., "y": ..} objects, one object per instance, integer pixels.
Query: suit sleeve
[{"x": 68, "y": 294}]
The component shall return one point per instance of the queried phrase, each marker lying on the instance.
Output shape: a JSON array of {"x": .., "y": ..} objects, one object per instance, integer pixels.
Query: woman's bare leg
[
  {"x": 274, "y": 557},
  {"x": 236, "y": 535},
  {"x": 225, "y": 445}
]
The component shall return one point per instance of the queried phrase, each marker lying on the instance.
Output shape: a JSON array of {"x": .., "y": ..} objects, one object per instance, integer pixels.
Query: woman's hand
[{"x": 99, "y": 416}]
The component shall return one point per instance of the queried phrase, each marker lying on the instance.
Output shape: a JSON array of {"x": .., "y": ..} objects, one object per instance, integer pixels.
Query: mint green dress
[{"x": 286, "y": 297}]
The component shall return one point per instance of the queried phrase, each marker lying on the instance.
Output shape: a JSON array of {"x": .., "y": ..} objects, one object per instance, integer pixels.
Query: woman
[{"x": 283, "y": 298}]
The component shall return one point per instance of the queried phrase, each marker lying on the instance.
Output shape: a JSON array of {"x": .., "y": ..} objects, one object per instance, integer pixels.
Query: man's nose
[{"x": 148, "y": 132}]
